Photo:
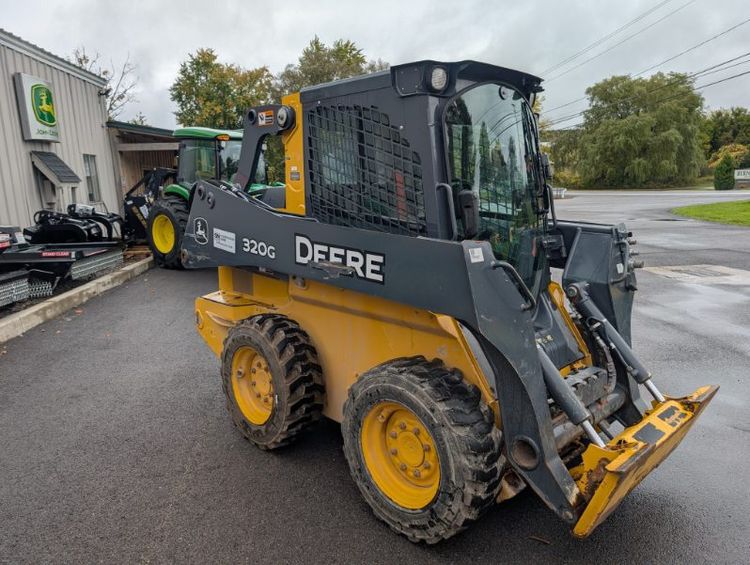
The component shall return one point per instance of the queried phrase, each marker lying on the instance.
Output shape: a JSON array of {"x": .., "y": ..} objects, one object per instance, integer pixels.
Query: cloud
[{"x": 530, "y": 36}]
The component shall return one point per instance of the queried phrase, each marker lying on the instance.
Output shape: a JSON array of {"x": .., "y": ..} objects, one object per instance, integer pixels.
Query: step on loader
[{"x": 412, "y": 281}]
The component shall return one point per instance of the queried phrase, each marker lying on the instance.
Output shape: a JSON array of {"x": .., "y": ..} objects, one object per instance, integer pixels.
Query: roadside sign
[{"x": 742, "y": 174}]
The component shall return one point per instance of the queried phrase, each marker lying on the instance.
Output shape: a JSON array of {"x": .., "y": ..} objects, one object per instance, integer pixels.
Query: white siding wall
[{"x": 82, "y": 120}]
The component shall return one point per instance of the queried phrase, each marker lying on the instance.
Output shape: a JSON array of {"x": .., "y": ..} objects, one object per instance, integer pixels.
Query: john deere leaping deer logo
[{"x": 44, "y": 107}]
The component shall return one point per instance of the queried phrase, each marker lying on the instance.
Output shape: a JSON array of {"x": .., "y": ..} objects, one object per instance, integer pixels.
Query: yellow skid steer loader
[{"x": 401, "y": 283}]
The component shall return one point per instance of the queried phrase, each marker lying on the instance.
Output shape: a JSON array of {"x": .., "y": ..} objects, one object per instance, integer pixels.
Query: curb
[{"x": 21, "y": 322}]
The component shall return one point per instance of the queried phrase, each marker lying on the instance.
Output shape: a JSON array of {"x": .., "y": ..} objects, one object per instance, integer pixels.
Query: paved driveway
[{"x": 115, "y": 445}]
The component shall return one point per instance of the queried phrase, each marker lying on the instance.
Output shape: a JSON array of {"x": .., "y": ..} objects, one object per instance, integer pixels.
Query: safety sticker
[
  {"x": 265, "y": 118},
  {"x": 476, "y": 255},
  {"x": 224, "y": 240}
]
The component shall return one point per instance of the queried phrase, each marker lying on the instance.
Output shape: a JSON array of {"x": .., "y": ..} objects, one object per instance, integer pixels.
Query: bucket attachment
[{"x": 608, "y": 474}]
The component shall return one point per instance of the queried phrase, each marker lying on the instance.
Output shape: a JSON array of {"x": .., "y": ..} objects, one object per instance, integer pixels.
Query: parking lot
[{"x": 115, "y": 445}]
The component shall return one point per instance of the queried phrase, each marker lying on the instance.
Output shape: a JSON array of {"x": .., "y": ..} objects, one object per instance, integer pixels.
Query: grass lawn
[{"x": 737, "y": 212}]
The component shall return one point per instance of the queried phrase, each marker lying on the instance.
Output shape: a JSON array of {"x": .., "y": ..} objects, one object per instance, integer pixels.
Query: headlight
[{"x": 439, "y": 78}]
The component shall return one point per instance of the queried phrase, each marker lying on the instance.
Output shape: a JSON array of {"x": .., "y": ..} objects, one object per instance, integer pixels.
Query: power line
[
  {"x": 566, "y": 104},
  {"x": 604, "y": 38},
  {"x": 662, "y": 100},
  {"x": 702, "y": 43},
  {"x": 629, "y": 37},
  {"x": 695, "y": 74},
  {"x": 660, "y": 87},
  {"x": 681, "y": 53}
]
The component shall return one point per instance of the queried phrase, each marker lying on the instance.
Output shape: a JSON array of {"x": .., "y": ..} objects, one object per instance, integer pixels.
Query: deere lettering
[{"x": 366, "y": 265}]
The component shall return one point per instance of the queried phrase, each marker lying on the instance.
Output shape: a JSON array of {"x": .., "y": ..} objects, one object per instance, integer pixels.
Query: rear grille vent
[{"x": 363, "y": 172}]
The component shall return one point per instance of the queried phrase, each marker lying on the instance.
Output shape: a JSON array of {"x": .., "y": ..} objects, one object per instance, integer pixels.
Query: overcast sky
[{"x": 531, "y": 36}]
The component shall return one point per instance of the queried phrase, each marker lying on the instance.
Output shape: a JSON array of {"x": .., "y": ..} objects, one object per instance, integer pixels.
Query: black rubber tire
[
  {"x": 465, "y": 436},
  {"x": 176, "y": 209},
  {"x": 296, "y": 375}
]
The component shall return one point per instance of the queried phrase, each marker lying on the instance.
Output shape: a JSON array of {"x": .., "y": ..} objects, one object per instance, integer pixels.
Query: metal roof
[
  {"x": 207, "y": 133},
  {"x": 52, "y": 166},
  {"x": 21, "y": 45},
  {"x": 137, "y": 128}
]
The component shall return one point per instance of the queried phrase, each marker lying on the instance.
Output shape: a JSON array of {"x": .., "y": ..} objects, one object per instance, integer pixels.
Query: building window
[{"x": 92, "y": 178}]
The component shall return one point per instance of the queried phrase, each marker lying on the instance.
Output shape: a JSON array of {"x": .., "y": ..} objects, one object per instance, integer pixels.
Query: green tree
[
  {"x": 724, "y": 174},
  {"x": 641, "y": 131},
  {"x": 321, "y": 63},
  {"x": 318, "y": 63},
  {"x": 726, "y": 127},
  {"x": 214, "y": 94}
]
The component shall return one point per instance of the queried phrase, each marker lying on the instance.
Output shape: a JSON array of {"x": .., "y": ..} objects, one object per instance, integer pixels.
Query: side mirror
[
  {"x": 547, "y": 167},
  {"x": 468, "y": 211}
]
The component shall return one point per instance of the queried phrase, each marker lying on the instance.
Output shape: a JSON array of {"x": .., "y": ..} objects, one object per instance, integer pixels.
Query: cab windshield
[{"x": 492, "y": 151}]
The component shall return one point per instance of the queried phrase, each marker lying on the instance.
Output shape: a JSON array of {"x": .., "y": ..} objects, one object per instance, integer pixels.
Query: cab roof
[
  {"x": 411, "y": 79},
  {"x": 206, "y": 133}
]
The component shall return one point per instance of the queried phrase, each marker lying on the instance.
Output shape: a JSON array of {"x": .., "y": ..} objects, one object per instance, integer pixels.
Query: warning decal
[{"x": 265, "y": 118}]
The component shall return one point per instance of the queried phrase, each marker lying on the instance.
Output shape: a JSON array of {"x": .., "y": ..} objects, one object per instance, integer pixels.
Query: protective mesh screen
[{"x": 363, "y": 172}]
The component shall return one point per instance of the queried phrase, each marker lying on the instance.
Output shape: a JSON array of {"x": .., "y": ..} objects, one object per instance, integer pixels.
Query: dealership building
[{"x": 55, "y": 146}]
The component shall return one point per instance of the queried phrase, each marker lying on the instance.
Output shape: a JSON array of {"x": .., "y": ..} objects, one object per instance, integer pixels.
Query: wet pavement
[{"x": 115, "y": 445}]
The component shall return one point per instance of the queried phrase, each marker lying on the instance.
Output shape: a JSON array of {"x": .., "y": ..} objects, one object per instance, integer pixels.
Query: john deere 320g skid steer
[{"x": 401, "y": 283}]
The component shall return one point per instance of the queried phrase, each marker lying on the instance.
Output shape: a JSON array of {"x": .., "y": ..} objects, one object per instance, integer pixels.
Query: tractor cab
[{"x": 205, "y": 154}]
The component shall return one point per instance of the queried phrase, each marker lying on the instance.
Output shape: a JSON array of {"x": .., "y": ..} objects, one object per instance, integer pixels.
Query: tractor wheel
[
  {"x": 422, "y": 447},
  {"x": 272, "y": 380},
  {"x": 166, "y": 226}
]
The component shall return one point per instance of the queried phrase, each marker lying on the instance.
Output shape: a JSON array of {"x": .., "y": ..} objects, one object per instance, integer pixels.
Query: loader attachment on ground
[{"x": 608, "y": 474}]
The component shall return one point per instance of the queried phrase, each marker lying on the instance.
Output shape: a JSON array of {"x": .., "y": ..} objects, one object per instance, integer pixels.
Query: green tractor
[{"x": 204, "y": 154}]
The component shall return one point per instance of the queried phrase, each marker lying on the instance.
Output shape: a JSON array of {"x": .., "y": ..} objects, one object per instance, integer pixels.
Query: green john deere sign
[
  {"x": 36, "y": 106},
  {"x": 44, "y": 106}
]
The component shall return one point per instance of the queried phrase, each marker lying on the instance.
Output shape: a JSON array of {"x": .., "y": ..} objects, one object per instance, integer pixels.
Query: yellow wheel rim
[
  {"x": 400, "y": 455},
  {"x": 252, "y": 385},
  {"x": 162, "y": 233}
]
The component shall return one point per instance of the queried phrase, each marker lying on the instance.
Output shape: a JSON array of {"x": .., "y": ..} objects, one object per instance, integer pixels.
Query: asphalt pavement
[{"x": 115, "y": 445}]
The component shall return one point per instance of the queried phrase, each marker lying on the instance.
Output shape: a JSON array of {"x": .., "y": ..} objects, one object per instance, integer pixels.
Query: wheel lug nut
[
  {"x": 402, "y": 467},
  {"x": 417, "y": 474},
  {"x": 252, "y": 370},
  {"x": 402, "y": 425},
  {"x": 394, "y": 451},
  {"x": 252, "y": 383},
  {"x": 381, "y": 418},
  {"x": 426, "y": 447},
  {"x": 427, "y": 465},
  {"x": 393, "y": 434},
  {"x": 257, "y": 395},
  {"x": 416, "y": 431}
]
